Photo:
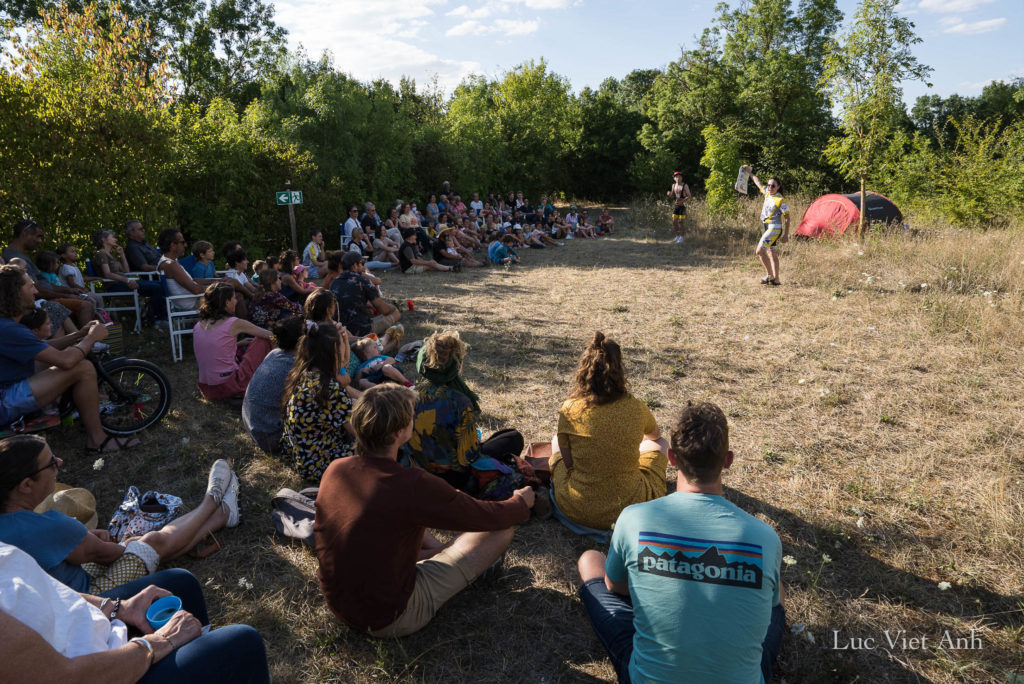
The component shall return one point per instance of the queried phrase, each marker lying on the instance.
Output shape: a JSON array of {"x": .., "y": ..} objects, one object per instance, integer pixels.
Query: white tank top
[{"x": 175, "y": 288}]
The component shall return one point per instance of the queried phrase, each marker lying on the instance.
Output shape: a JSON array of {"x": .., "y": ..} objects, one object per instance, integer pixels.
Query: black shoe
[
  {"x": 494, "y": 572},
  {"x": 774, "y": 283}
]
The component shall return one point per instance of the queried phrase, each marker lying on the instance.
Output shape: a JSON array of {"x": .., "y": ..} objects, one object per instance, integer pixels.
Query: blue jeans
[
  {"x": 230, "y": 654},
  {"x": 611, "y": 616},
  {"x": 153, "y": 291}
]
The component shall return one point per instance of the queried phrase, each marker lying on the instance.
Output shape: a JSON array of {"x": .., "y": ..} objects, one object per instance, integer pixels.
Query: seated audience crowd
[{"x": 307, "y": 346}]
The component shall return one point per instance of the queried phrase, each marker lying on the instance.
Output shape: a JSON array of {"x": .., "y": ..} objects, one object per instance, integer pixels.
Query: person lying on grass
[
  {"x": 691, "y": 589},
  {"x": 374, "y": 367},
  {"x": 62, "y": 545},
  {"x": 370, "y": 507}
]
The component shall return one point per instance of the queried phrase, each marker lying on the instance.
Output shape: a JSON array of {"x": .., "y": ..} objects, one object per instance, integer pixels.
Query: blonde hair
[
  {"x": 440, "y": 348},
  {"x": 365, "y": 347},
  {"x": 381, "y": 413}
]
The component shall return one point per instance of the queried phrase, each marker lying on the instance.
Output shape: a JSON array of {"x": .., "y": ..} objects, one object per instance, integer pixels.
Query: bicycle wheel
[{"x": 135, "y": 394}]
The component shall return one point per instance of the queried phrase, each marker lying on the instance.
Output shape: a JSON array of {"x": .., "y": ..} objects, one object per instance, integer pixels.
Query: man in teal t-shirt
[{"x": 690, "y": 590}]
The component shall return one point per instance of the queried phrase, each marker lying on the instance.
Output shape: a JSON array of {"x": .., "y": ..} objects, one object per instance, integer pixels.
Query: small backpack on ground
[
  {"x": 293, "y": 513},
  {"x": 138, "y": 515}
]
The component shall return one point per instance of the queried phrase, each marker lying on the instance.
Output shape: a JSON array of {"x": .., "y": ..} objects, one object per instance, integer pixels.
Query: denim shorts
[{"x": 15, "y": 401}]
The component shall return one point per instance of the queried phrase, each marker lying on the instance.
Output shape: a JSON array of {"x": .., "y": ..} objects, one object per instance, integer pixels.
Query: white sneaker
[
  {"x": 231, "y": 501},
  {"x": 219, "y": 480},
  {"x": 675, "y": 241}
]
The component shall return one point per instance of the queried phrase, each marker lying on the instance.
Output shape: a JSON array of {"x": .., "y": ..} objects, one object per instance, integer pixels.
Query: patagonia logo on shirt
[{"x": 736, "y": 564}]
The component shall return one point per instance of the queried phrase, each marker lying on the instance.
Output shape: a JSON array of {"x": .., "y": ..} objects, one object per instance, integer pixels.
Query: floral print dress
[{"x": 314, "y": 433}]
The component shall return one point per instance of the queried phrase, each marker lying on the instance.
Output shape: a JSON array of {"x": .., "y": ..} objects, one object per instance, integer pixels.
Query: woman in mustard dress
[{"x": 609, "y": 453}]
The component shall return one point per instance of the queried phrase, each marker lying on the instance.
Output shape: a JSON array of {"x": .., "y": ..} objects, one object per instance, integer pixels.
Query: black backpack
[{"x": 293, "y": 513}]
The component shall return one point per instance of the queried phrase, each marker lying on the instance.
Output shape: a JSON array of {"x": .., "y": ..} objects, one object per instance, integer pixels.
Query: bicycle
[{"x": 134, "y": 395}]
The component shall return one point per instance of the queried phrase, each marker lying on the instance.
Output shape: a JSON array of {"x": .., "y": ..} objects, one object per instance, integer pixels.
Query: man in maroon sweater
[{"x": 380, "y": 570}]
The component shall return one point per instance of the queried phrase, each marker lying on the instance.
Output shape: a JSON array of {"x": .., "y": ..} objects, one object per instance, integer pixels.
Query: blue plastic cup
[{"x": 161, "y": 610}]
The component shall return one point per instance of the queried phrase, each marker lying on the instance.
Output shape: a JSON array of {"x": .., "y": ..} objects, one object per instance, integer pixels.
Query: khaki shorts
[
  {"x": 381, "y": 323},
  {"x": 437, "y": 580},
  {"x": 138, "y": 560}
]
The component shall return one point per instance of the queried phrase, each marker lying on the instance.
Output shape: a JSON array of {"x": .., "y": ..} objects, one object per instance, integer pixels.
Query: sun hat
[
  {"x": 74, "y": 502},
  {"x": 299, "y": 269}
]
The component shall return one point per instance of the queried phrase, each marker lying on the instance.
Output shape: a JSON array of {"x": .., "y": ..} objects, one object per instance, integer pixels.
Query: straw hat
[{"x": 73, "y": 502}]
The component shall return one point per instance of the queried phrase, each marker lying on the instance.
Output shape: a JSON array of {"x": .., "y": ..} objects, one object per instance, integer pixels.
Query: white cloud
[
  {"x": 510, "y": 27},
  {"x": 388, "y": 39},
  {"x": 976, "y": 27},
  {"x": 548, "y": 4},
  {"x": 950, "y": 6},
  {"x": 466, "y": 28},
  {"x": 372, "y": 40},
  {"x": 507, "y": 27},
  {"x": 478, "y": 13}
]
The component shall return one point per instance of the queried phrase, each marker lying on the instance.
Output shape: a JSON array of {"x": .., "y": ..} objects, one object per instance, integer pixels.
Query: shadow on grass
[{"x": 852, "y": 575}]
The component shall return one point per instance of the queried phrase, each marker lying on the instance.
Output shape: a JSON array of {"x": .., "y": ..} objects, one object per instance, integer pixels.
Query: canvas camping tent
[{"x": 833, "y": 214}]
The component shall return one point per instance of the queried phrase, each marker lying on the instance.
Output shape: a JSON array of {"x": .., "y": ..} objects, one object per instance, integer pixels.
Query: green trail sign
[{"x": 289, "y": 197}]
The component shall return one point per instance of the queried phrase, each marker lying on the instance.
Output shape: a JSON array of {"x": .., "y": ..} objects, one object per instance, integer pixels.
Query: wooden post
[{"x": 291, "y": 216}]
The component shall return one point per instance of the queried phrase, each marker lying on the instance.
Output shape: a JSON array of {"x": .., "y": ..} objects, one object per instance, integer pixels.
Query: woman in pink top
[{"x": 222, "y": 374}]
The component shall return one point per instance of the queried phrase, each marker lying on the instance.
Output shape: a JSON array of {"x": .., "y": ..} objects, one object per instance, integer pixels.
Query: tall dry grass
[{"x": 875, "y": 421}]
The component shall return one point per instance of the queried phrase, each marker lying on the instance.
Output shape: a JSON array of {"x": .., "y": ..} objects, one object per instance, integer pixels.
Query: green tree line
[{"x": 191, "y": 113}]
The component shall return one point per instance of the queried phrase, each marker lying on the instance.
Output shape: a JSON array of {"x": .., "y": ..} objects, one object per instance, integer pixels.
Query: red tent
[{"x": 833, "y": 214}]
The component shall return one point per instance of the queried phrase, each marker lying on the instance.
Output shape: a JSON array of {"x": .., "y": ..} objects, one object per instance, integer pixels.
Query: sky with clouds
[{"x": 969, "y": 43}]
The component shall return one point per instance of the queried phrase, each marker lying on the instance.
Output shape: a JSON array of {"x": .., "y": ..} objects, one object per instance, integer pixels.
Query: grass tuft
[{"x": 898, "y": 456}]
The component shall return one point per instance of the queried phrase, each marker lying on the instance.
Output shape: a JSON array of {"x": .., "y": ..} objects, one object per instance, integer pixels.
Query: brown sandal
[{"x": 204, "y": 549}]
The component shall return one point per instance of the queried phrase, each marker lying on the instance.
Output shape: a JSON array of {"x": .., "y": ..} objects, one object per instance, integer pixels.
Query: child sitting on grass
[
  {"x": 501, "y": 252},
  {"x": 375, "y": 367}
]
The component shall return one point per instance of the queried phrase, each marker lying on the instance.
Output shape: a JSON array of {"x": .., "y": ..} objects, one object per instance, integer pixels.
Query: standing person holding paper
[
  {"x": 775, "y": 217},
  {"x": 678, "y": 193}
]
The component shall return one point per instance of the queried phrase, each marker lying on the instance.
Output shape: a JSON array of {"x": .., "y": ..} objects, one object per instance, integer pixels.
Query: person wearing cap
[
  {"x": 411, "y": 260},
  {"x": 445, "y": 252},
  {"x": 354, "y": 292},
  {"x": 678, "y": 194},
  {"x": 62, "y": 544}
]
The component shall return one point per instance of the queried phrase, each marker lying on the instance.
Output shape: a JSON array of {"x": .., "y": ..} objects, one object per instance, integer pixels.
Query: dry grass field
[{"x": 876, "y": 415}]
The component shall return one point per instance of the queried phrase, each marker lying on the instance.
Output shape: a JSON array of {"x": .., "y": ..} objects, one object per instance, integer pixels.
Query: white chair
[
  {"x": 179, "y": 321},
  {"x": 127, "y": 300}
]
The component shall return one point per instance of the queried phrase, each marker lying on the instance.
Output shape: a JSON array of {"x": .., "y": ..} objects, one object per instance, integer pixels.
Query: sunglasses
[{"x": 52, "y": 464}]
